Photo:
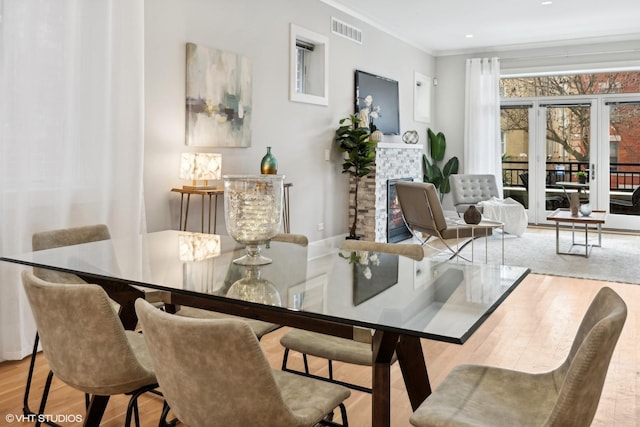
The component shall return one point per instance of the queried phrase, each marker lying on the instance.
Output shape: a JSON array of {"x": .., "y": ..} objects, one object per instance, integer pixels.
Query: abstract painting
[{"x": 218, "y": 98}]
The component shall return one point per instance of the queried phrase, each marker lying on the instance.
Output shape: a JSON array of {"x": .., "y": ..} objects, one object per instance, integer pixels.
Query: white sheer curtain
[
  {"x": 71, "y": 131},
  {"x": 482, "y": 153}
]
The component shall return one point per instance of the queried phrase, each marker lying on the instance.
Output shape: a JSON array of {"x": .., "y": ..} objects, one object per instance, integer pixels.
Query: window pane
[
  {"x": 300, "y": 70},
  {"x": 578, "y": 84},
  {"x": 624, "y": 143},
  {"x": 514, "y": 126}
]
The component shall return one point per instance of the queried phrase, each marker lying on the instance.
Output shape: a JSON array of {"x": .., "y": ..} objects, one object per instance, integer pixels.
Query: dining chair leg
[
  {"x": 96, "y": 410},
  {"x": 285, "y": 358},
  {"x": 132, "y": 407},
  {"x": 163, "y": 417},
  {"x": 329, "y": 420},
  {"x": 45, "y": 394},
  {"x": 343, "y": 413},
  {"x": 136, "y": 414},
  {"x": 27, "y": 389},
  {"x": 306, "y": 363}
]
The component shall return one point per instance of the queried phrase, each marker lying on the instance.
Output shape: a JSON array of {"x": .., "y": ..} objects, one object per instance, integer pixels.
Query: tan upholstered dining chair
[
  {"x": 424, "y": 216},
  {"x": 259, "y": 327},
  {"x": 86, "y": 346},
  {"x": 54, "y": 239},
  {"x": 66, "y": 237},
  {"x": 355, "y": 351},
  {"x": 224, "y": 379},
  {"x": 568, "y": 396}
]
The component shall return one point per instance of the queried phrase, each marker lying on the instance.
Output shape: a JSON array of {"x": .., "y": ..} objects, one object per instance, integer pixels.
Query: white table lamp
[{"x": 197, "y": 167}]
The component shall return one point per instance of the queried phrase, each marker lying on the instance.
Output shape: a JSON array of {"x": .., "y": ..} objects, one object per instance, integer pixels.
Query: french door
[
  {"x": 546, "y": 144},
  {"x": 565, "y": 151},
  {"x": 547, "y": 141},
  {"x": 620, "y": 157}
]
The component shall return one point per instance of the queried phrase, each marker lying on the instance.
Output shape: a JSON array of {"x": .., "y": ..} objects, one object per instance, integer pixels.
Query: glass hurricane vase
[
  {"x": 254, "y": 288},
  {"x": 253, "y": 212}
]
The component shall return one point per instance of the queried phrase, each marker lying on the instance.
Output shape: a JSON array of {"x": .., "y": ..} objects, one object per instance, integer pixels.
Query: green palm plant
[
  {"x": 361, "y": 154},
  {"x": 431, "y": 170}
]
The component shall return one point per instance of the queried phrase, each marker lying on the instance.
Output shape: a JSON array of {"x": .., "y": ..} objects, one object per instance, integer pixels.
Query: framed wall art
[{"x": 218, "y": 98}]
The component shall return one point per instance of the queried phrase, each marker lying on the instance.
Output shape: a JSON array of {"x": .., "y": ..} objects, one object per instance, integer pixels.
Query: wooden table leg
[
  {"x": 414, "y": 369},
  {"x": 124, "y": 295},
  {"x": 96, "y": 410},
  {"x": 384, "y": 345}
]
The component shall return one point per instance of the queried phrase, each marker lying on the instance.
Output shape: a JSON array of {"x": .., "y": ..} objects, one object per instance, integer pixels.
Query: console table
[{"x": 213, "y": 194}]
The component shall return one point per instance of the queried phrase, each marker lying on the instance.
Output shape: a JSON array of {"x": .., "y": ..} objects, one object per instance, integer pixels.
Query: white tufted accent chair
[{"x": 467, "y": 190}]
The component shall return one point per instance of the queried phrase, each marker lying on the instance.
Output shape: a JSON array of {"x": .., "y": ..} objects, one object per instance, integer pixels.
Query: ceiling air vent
[{"x": 346, "y": 30}]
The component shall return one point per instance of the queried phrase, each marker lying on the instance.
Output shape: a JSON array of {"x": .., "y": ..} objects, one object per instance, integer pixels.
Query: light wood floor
[{"x": 532, "y": 331}]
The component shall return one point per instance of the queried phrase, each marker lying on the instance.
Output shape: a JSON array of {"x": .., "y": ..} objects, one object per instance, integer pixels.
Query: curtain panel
[
  {"x": 71, "y": 131},
  {"x": 482, "y": 150}
]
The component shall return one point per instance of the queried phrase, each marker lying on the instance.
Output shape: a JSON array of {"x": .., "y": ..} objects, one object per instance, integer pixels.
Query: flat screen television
[{"x": 384, "y": 92}]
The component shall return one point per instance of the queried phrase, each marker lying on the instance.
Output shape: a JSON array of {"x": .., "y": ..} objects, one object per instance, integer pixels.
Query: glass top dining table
[{"x": 316, "y": 287}]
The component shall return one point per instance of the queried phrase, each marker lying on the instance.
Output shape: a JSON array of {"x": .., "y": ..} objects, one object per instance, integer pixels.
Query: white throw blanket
[{"x": 508, "y": 211}]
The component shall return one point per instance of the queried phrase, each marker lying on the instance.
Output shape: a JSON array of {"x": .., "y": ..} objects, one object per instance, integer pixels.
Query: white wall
[{"x": 299, "y": 133}]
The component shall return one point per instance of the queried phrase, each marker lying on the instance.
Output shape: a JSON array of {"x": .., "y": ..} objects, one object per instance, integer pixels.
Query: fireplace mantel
[{"x": 399, "y": 146}]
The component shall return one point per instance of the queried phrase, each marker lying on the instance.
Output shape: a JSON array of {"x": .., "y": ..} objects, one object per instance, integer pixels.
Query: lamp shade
[
  {"x": 200, "y": 167},
  {"x": 198, "y": 247}
]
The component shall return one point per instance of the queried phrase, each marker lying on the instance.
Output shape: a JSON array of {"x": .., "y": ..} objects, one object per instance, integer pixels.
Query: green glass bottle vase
[{"x": 269, "y": 164}]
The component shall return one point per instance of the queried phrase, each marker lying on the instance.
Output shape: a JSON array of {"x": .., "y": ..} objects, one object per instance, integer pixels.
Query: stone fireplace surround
[{"x": 393, "y": 161}]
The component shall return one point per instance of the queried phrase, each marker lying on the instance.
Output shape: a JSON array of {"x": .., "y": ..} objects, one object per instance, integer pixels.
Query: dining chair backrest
[
  {"x": 83, "y": 339},
  {"x": 567, "y": 396},
  {"x": 410, "y": 250},
  {"x": 66, "y": 237},
  {"x": 212, "y": 372},
  {"x": 581, "y": 377},
  {"x": 298, "y": 239}
]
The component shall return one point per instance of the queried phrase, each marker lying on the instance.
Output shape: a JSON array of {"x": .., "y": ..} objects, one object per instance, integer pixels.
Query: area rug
[{"x": 618, "y": 260}]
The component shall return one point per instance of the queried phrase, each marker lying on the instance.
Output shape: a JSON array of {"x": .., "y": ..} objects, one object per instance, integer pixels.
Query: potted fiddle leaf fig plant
[
  {"x": 355, "y": 140},
  {"x": 432, "y": 172}
]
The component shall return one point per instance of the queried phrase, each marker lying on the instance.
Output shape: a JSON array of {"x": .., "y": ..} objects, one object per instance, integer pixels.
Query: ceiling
[{"x": 440, "y": 27}]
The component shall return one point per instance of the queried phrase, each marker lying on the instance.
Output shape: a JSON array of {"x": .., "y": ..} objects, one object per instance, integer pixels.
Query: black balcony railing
[{"x": 624, "y": 177}]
